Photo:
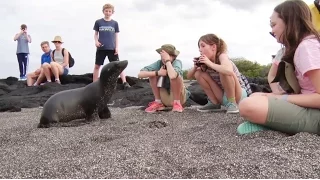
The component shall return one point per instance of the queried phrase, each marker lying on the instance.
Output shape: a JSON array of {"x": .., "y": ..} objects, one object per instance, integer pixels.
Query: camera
[{"x": 197, "y": 62}]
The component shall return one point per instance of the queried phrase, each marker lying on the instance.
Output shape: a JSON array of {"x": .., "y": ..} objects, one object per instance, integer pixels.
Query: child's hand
[
  {"x": 98, "y": 44},
  {"x": 115, "y": 51},
  {"x": 162, "y": 72}
]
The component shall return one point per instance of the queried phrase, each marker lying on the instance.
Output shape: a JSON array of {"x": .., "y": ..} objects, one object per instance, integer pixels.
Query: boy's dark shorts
[{"x": 102, "y": 54}]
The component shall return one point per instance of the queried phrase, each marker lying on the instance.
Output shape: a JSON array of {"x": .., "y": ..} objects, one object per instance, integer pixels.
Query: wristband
[
  {"x": 157, "y": 73},
  {"x": 285, "y": 97}
]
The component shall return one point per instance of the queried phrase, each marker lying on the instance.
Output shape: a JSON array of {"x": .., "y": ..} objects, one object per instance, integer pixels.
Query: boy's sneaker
[
  {"x": 154, "y": 106},
  {"x": 126, "y": 85},
  {"x": 210, "y": 107},
  {"x": 177, "y": 107},
  {"x": 232, "y": 108}
]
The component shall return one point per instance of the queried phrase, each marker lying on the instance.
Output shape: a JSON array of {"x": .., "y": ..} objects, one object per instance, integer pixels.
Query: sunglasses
[{"x": 56, "y": 42}]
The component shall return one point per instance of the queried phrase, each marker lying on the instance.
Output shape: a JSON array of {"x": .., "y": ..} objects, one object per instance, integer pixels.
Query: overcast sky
[{"x": 144, "y": 26}]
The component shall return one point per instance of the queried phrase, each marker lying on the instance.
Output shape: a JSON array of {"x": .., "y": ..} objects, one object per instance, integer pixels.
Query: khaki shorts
[
  {"x": 290, "y": 118},
  {"x": 167, "y": 97}
]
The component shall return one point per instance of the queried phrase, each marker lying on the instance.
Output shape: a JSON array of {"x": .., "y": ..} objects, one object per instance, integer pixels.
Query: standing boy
[
  {"x": 23, "y": 39},
  {"x": 106, "y": 41}
]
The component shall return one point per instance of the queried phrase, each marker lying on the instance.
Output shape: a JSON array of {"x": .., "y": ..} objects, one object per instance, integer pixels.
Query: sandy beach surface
[{"x": 133, "y": 144}]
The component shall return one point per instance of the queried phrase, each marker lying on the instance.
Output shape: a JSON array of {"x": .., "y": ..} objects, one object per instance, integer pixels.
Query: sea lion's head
[{"x": 111, "y": 71}]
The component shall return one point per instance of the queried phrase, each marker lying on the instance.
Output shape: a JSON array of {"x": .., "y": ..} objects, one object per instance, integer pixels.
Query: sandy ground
[{"x": 134, "y": 144}]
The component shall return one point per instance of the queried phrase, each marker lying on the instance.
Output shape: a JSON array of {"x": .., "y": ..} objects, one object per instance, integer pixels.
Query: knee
[
  {"x": 197, "y": 75},
  {"x": 46, "y": 66},
  {"x": 53, "y": 64},
  {"x": 153, "y": 80},
  {"x": 247, "y": 106},
  {"x": 176, "y": 83}
]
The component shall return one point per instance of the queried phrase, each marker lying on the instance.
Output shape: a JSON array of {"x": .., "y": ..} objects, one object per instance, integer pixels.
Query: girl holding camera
[{"x": 217, "y": 75}]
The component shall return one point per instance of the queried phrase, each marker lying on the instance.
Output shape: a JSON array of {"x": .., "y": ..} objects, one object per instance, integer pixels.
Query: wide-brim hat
[
  {"x": 57, "y": 39},
  {"x": 169, "y": 48},
  {"x": 287, "y": 78}
]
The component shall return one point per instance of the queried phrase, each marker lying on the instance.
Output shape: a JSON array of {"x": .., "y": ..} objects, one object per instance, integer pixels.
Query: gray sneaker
[
  {"x": 209, "y": 107},
  {"x": 232, "y": 108},
  {"x": 126, "y": 85}
]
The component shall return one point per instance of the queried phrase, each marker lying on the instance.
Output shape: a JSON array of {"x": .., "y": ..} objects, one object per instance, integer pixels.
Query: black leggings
[{"x": 23, "y": 63}]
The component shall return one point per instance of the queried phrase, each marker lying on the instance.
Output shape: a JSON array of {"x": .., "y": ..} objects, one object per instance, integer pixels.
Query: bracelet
[
  {"x": 157, "y": 73},
  {"x": 285, "y": 97}
]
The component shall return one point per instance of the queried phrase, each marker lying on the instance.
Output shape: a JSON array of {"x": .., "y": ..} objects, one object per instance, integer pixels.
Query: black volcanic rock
[{"x": 15, "y": 94}]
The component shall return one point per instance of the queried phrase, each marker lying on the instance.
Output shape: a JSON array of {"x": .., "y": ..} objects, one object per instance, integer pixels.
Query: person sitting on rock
[
  {"x": 36, "y": 77},
  {"x": 59, "y": 61},
  {"x": 166, "y": 80},
  {"x": 298, "y": 110},
  {"x": 218, "y": 75}
]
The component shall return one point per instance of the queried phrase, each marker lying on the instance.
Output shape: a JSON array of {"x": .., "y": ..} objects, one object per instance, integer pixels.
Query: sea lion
[{"x": 89, "y": 102}]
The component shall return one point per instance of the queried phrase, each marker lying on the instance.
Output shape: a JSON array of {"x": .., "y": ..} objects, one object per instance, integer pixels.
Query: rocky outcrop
[{"x": 15, "y": 94}]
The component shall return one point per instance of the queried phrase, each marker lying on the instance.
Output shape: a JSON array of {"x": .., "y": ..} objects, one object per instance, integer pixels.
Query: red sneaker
[
  {"x": 177, "y": 107},
  {"x": 154, "y": 106}
]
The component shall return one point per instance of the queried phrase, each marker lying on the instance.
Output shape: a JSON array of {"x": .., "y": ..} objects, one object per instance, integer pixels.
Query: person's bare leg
[
  {"x": 210, "y": 87},
  {"x": 231, "y": 87},
  {"x": 30, "y": 78},
  {"x": 124, "y": 80},
  {"x": 155, "y": 90},
  {"x": 123, "y": 77},
  {"x": 157, "y": 104},
  {"x": 95, "y": 75},
  {"x": 47, "y": 71},
  {"x": 248, "y": 109},
  {"x": 176, "y": 87},
  {"x": 41, "y": 78},
  {"x": 55, "y": 69},
  {"x": 233, "y": 92}
]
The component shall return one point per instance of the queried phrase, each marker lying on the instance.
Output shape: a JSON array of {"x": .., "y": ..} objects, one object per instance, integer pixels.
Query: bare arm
[
  {"x": 117, "y": 40},
  {"x": 170, "y": 70},
  {"x": 308, "y": 100},
  {"x": 65, "y": 58},
  {"x": 96, "y": 36},
  {"x": 225, "y": 67},
  {"x": 17, "y": 36},
  {"x": 145, "y": 74},
  {"x": 191, "y": 72},
  {"x": 51, "y": 55},
  {"x": 29, "y": 38}
]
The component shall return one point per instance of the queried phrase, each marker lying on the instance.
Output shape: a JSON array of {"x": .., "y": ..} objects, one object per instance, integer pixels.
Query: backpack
[
  {"x": 247, "y": 84},
  {"x": 71, "y": 60}
]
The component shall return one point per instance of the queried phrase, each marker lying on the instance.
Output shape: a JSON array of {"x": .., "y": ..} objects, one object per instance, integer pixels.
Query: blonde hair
[
  {"x": 212, "y": 39},
  {"x": 44, "y": 42},
  {"x": 108, "y": 6}
]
